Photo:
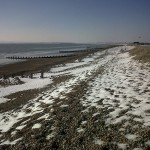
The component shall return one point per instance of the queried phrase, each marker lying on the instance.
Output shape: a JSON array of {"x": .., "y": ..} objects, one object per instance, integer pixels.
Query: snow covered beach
[{"x": 104, "y": 102}]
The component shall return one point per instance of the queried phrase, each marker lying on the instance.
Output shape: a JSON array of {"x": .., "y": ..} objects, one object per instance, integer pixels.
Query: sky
[{"x": 79, "y": 21}]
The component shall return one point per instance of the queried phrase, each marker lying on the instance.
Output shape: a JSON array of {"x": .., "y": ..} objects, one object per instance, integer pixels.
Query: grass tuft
[{"x": 141, "y": 53}]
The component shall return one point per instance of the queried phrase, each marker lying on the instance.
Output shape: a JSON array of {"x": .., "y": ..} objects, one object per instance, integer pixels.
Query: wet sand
[
  {"x": 36, "y": 65},
  {"x": 41, "y": 64}
]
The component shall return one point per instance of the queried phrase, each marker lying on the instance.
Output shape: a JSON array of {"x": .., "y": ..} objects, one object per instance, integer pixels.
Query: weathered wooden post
[
  {"x": 42, "y": 74},
  {"x": 13, "y": 75},
  {"x": 22, "y": 74},
  {"x": 31, "y": 75},
  {"x": 4, "y": 77}
]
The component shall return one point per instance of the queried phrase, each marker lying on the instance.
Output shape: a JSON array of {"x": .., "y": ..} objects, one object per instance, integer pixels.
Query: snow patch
[
  {"x": 11, "y": 142},
  {"x": 20, "y": 127},
  {"x": 36, "y": 126},
  {"x": 131, "y": 136},
  {"x": 122, "y": 146},
  {"x": 98, "y": 142}
]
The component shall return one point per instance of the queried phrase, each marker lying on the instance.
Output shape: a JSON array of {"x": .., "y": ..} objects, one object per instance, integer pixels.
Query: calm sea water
[{"x": 38, "y": 49}]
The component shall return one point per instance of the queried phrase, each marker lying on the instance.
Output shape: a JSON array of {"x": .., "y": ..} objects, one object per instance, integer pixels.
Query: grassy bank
[{"x": 141, "y": 53}]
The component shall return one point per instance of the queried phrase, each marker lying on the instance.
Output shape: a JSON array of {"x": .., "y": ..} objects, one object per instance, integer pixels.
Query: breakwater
[{"x": 38, "y": 57}]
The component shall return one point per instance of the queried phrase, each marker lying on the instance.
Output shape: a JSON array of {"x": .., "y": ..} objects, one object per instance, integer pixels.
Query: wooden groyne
[
  {"x": 73, "y": 53},
  {"x": 39, "y": 57},
  {"x": 23, "y": 74},
  {"x": 78, "y": 51},
  {"x": 31, "y": 73}
]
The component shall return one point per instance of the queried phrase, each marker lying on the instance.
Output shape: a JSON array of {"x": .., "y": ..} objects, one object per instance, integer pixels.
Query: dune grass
[{"x": 141, "y": 53}]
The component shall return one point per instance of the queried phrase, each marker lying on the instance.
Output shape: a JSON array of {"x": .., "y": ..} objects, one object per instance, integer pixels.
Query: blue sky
[{"x": 74, "y": 20}]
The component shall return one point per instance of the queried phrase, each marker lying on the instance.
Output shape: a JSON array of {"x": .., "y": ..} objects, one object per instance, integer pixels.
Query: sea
[{"x": 39, "y": 49}]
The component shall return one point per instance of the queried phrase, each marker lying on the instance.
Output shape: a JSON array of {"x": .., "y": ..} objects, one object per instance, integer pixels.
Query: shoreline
[
  {"x": 40, "y": 65},
  {"x": 34, "y": 65}
]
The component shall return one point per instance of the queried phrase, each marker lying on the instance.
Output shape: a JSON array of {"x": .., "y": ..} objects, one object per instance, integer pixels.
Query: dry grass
[{"x": 141, "y": 53}]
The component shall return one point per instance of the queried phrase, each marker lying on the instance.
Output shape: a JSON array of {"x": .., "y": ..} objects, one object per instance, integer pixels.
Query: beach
[
  {"x": 37, "y": 57},
  {"x": 35, "y": 65},
  {"x": 96, "y": 100}
]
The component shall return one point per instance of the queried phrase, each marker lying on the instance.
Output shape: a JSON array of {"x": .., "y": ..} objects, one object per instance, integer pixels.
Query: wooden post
[
  {"x": 4, "y": 77},
  {"x": 42, "y": 74},
  {"x": 22, "y": 74},
  {"x": 12, "y": 75},
  {"x": 31, "y": 75}
]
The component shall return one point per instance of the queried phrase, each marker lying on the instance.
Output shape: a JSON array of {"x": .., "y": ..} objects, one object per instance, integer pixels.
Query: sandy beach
[{"x": 96, "y": 101}]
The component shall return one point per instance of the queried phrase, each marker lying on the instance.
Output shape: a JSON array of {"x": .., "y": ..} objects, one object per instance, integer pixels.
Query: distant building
[{"x": 136, "y": 43}]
